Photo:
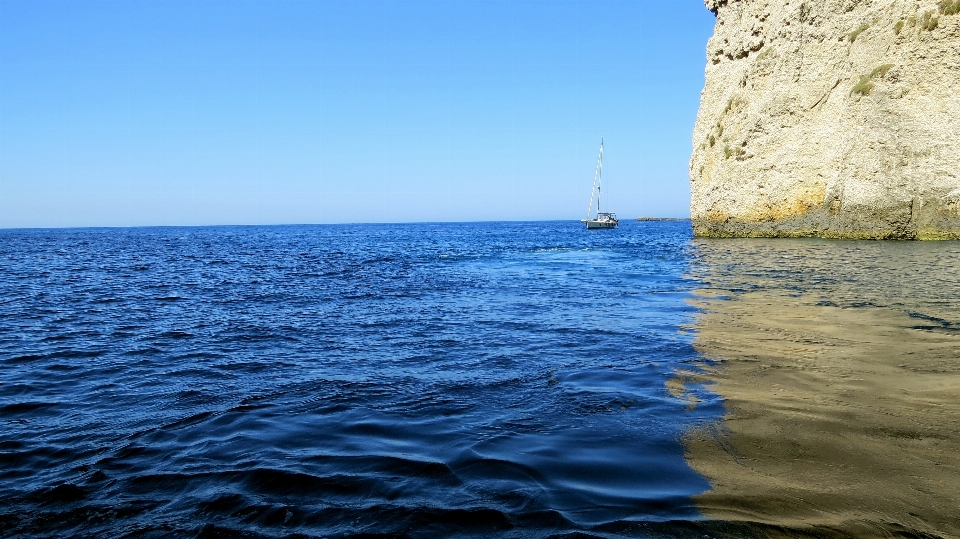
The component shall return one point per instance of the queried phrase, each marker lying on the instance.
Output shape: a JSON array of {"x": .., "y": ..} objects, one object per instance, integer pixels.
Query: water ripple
[{"x": 389, "y": 380}]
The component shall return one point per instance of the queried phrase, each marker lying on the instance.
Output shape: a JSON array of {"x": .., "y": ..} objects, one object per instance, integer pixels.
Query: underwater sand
[{"x": 842, "y": 393}]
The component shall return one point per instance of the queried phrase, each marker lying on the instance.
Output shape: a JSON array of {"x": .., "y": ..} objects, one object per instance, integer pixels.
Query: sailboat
[{"x": 602, "y": 219}]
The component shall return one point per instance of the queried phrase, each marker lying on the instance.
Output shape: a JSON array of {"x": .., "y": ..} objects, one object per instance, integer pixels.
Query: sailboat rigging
[{"x": 602, "y": 219}]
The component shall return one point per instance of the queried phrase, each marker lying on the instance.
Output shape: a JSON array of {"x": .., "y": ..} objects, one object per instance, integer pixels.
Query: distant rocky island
[{"x": 830, "y": 118}]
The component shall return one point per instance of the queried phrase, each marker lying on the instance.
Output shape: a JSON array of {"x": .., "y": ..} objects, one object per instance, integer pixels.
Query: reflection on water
[{"x": 839, "y": 362}]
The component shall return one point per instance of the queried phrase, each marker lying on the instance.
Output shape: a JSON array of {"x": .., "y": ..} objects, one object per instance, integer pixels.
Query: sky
[{"x": 167, "y": 112}]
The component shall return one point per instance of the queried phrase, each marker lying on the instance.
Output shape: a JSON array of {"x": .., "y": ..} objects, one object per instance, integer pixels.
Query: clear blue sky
[{"x": 235, "y": 112}]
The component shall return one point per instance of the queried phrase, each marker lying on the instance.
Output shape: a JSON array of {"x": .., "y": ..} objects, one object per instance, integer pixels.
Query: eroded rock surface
[{"x": 830, "y": 118}]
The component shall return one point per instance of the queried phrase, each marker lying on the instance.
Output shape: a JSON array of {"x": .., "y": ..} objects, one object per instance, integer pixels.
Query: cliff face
[{"x": 831, "y": 118}]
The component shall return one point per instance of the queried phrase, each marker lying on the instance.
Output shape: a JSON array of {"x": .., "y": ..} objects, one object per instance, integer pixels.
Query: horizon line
[{"x": 640, "y": 218}]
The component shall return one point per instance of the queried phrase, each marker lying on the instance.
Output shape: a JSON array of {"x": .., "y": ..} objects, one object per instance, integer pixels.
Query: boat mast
[
  {"x": 596, "y": 182},
  {"x": 599, "y": 175}
]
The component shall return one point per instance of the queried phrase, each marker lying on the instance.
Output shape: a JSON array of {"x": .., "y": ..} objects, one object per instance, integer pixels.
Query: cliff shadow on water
[{"x": 839, "y": 364}]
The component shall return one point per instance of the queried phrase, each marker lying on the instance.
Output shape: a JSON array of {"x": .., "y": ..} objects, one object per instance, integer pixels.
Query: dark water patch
[
  {"x": 194, "y": 356},
  {"x": 70, "y": 336},
  {"x": 73, "y": 354},
  {"x": 31, "y": 458},
  {"x": 175, "y": 334},
  {"x": 108, "y": 300},
  {"x": 243, "y": 408},
  {"x": 284, "y": 483},
  {"x": 128, "y": 458},
  {"x": 267, "y": 515},
  {"x": 19, "y": 391},
  {"x": 390, "y": 466},
  {"x": 94, "y": 477},
  {"x": 26, "y": 408},
  {"x": 26, "y": 358},
  {"x": 166, "y": 484},
  {"x": 65, "y": 493},
  {"x": 143, "y": 351},
  {"x": 936, "y": 322},
  {"x": 76, "y": 519},
  {"x": 188, "y": 421},
  {"x": 225, "y": 503},
  {"x": 453, "y": 520},
  {"x": 7, "y": 445},
  {"x": 130, "y": 328}
]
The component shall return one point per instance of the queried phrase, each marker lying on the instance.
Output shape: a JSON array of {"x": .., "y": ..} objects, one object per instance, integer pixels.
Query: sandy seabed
[{"x": 842, "y": 417}]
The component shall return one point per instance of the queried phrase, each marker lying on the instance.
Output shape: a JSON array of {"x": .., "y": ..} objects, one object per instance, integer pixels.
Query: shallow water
[
  {"x": 839, "y": 366},
  {"x": 336, "y": 380}
]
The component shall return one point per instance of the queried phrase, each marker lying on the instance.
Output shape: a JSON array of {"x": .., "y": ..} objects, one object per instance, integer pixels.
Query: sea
[{"x": 507, "y": 379}]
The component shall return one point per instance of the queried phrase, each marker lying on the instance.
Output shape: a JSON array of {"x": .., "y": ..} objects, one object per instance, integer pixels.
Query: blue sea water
[{"x": 420, "y": 380}]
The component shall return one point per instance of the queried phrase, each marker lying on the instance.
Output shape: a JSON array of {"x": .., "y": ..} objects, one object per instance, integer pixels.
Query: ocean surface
[
  {"x": 421, "y": 380},
  {"x": 517, "y": 380}
]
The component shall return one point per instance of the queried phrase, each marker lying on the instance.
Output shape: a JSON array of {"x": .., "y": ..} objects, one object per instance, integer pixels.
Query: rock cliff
[{"x": 830, "y": 118}]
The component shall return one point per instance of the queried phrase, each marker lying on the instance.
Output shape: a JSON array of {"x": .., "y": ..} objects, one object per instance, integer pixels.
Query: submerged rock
[{"x": 830, "y": 118}]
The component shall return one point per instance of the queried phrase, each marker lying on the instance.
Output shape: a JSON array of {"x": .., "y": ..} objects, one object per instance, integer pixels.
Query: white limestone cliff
[{"x": 830, "y": 118}]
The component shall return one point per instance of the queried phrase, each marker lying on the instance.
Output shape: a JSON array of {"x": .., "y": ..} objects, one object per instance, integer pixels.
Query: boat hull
[{"x": 594, "y": 224}]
